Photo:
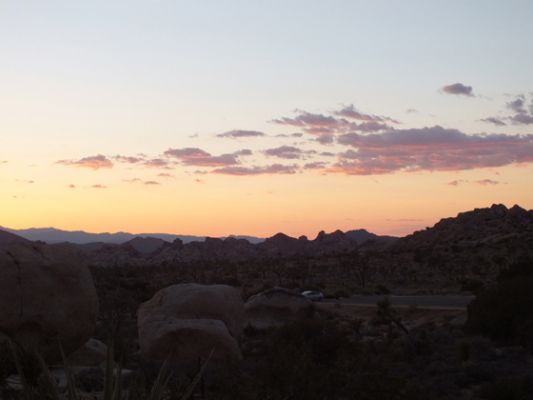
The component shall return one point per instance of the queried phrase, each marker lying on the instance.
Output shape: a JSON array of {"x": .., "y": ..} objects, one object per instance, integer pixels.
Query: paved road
[{"x": 443, "y": 302}]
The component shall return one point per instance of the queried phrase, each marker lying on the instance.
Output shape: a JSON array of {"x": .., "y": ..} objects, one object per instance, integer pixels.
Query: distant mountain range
[
  {"x": 105, "y": 249},
  {"x": 470, "y": 248},
  {"x": 53, "y": 235}
]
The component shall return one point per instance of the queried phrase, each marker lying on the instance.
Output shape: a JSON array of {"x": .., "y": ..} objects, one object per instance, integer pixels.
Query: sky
[{"x": 254, "y": 117}]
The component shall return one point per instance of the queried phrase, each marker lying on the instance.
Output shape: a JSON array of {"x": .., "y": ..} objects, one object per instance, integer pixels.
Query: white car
[{"x": 313, "y": 295}]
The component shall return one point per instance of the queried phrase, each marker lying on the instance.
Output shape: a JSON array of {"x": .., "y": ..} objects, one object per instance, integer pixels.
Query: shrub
[{"x": 503, "y": 312}]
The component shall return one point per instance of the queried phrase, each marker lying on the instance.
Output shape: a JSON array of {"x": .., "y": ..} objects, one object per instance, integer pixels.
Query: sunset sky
[{"x": 216, "y": 117}]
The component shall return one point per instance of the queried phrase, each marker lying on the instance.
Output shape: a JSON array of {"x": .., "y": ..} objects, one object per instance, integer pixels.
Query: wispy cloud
[
  {"x": 325, "y": 127},
  {"x": 98, "y": 186},
  {"x": 482, "y": 182},
  {"x": 160, "y": 163},
  {"x": 286, "y": 152},
  {"x": 487, "y": 182},
  {"x": 201, "y": 158},
  {"x": 494, "y": 121},
  {"x": 456, "y": 182},
  {"x": 434, "y": 149},
  {"x": 128, "y": 159},
  {"x": 350, "y": 112},
  {"x": 93, "y": 162},
  {"x": 315, "y": 165},
  {"x": 257, "y": 170},
  {"x": 458, "y": 89},
  {"x": 239, "y": 133},
  {"x": 522, "y": 114}
]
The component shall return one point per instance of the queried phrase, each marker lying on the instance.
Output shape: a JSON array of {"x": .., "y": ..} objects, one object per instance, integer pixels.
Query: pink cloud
[
  {"x": 128, "y": 159},
  {"x": 287, "y": 152},
  {"x": 434, "y": 149},
  {"x": 257, "y": 170},
  {"x": 92, "y": 162},
  {"x": 157, "y": 163},
  {"x": 239, "y": 133},
  {"x": 350, "y": 112},
  {"x": 315, "y": 165},
  {"x": 199, "y": 157},
  {"x": 325, "y": 127}
]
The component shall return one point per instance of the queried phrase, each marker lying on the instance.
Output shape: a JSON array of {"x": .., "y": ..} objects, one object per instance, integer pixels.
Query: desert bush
[
  {"x": 516, "y": 388},
  {"x": 503, "y": 312}
]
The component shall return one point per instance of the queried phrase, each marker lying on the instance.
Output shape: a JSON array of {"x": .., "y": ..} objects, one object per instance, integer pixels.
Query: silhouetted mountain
[
  {"x": 53, "y": 235},
  {"x": 145, "y": 245},
  {"x": 362, "y": 235},
  {"x": 7, "y": 238}
]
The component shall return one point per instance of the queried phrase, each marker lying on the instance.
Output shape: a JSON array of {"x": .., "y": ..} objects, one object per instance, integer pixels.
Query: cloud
[
  {"x": 456, "y": 182},
  {"x": 243, "y": 152},
  {"x": 486, "y": 182},
  {"x": 165, "y": 175},
  {"x": 494, "y": 120},
  {"x": 138, "y": 180},
  {"x": 257, "y": 170},
  {"x": 98, "y": 186},
  {"x": 157, "y": 163},
  {"x": 482, "y": 182},
  {"x": 458, "y": 89},
  {"x": 325, "y": 127},
  {"x": 432, "y": 149},
  {"x": 517, "y": 105},
  {"x": 325, "y": 139},
  {"x": 522, "y": 119},
  {"x": 26, "y": 181},
  {"x": 93, "y": 162},
  {"x": 72, "y": 186},
  {"x": 315, "y": 165},
  {"x": 133, "y": 180},
  {"x": 128, "y": 159},
  {"x": 199, "y": 157},
  {"x": 287, "y": 152},
  {"x": 239, "y": 133},
  {"x": 350, "y": 112}
]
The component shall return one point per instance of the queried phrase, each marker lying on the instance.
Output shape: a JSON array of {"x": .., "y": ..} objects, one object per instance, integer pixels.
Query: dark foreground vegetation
[
  {"x": 383, "y": 353},
  {"x": 338, "y": 351}
]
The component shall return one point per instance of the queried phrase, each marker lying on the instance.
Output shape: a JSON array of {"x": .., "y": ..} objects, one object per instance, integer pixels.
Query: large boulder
[
  {"x": 92, "y": 353},
  {"x": 184, "y": 323},
  {"x": 276, "y": 307},
  {"x": 47, "y": 296}
]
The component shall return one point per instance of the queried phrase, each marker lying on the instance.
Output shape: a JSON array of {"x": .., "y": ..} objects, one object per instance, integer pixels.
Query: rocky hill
[
  {"x": 469, "y": 249},
  {"x": 480, "y": 226}
]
